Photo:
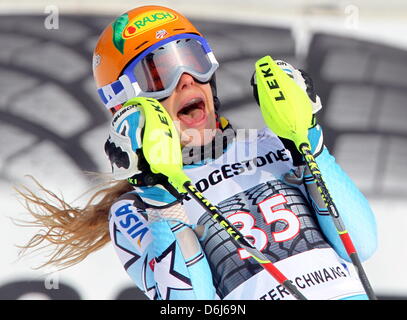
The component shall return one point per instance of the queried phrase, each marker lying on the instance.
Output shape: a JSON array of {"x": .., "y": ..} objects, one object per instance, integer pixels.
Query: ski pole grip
[{"x": 161, "y": 142}]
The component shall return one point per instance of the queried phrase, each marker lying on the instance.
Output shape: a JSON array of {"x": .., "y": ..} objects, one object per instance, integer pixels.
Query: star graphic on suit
[{"x": 167, "y": 278}]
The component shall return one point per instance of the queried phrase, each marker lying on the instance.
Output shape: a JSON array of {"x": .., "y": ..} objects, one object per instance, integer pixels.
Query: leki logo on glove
[{"x": 146, "y": 22}]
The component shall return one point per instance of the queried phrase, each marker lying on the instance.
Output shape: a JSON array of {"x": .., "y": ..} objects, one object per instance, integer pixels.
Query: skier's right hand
[{"x": 123, "y": 146}]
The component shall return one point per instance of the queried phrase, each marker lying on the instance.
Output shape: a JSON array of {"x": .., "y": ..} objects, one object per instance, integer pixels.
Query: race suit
[{"x": 189, "y": 256}]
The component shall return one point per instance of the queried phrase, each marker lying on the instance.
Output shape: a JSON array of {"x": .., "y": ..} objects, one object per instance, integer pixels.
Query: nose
[{"x": 185, "y": 82}]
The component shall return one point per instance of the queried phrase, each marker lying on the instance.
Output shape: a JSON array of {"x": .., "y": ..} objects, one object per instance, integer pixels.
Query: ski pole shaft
[
  {"x": 242, "y": 242},
  {"x": 339, "y": 225},
  {"x": 161, "y": 149}
]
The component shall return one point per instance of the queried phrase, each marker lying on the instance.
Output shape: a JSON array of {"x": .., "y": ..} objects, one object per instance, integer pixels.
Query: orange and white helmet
[{"x": 145, "y": 51}]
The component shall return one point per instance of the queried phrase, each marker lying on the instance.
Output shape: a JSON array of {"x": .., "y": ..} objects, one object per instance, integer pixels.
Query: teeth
[
  {"x": 193, "y": 101},
  {"x": 190, "y": 103}
]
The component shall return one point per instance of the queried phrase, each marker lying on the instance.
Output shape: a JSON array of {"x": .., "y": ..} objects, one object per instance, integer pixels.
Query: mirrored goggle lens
[{"x": 160, "y": 70}]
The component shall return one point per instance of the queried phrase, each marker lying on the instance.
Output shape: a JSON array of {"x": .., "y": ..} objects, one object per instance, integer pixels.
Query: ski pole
[
  {"x": 242, "y": 242},
  {"x": 339, "y": 225},
  {"x": 287, "y": 110},
  {"x": 161, "y": 149}
]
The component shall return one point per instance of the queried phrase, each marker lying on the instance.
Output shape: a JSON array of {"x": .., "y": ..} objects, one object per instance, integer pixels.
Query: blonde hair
[{"x": 72, "y": 233}]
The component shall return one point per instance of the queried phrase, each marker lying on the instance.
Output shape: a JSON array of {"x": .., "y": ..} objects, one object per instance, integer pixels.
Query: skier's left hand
[{"x": 314, "y": 133}]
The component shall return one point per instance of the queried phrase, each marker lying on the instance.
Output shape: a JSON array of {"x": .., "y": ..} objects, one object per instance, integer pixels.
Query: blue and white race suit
[{"x": 194, "y": 258}]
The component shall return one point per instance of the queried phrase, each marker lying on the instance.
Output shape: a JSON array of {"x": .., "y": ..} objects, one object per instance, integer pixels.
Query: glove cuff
[{"x": 316, "y": 140}]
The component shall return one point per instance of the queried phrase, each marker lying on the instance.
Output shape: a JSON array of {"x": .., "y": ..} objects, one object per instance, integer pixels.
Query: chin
[{"x": 193, "y": 137}]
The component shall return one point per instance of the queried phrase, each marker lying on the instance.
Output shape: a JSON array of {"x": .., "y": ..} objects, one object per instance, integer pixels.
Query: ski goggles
[{"x": 155, "y": 73}]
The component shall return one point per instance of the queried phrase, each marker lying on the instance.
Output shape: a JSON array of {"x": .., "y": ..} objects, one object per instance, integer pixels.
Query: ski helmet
[{"x": 144, "y": 53}]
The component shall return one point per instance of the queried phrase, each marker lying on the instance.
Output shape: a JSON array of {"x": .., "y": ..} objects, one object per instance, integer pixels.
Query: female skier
[{"x": 166, "y": 242}]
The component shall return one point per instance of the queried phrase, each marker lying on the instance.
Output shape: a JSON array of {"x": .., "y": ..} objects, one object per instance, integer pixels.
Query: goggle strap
[
  {"x": 212, "y": 58},
  {"x": 118, "y": 92},
  {"x": 112, "y": 94},
  {"x": 136, "y": 88},
  {"x": 132, "y": 89}
]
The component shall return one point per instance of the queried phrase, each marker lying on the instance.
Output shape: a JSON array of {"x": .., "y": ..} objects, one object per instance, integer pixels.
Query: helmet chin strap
[
  {"x": 200, "y": 154},
  {"x": 216, "y": 100},
  {"x": 223, "y": 137}
]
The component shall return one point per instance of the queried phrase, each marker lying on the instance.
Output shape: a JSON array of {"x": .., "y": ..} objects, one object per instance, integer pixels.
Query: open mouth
[{"x": 193, "y": 112}]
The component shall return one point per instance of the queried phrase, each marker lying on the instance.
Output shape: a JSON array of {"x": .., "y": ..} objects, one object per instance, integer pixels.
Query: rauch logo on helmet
[{"x": 147, "y": 21}]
